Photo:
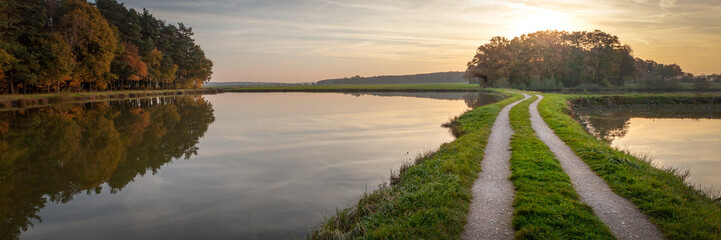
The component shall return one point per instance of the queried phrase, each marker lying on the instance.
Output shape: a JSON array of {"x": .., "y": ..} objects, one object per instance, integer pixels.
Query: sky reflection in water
[{"x": 268, "y": 167}]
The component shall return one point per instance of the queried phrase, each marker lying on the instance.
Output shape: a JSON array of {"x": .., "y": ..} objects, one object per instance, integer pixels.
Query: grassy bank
[
  {"x": 680, "y": 211},
  {"x": 9, "y": 102},
  {"x": 545, "y": 206},
  {"x": 635, "y": 88},
  {"x": 360, "y": 88},
  {"x": 428, "y": 199}
]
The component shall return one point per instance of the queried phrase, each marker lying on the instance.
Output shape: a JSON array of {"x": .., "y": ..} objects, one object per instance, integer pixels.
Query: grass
[
  {"x": 679, "y": 211},
  {"x": 356, "y": 88},
  {"x": 634, "y": 88},
  {"x": 427, "y": 200},
  {"x": 545, "y": 206}
]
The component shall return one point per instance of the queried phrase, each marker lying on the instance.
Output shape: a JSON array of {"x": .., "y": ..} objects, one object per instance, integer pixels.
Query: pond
[
  {"x": 685, "y": 137},
  {"x": 226, "y": 166}
]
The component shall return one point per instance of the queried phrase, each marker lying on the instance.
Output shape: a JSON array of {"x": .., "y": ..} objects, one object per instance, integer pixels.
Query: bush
[
  {"x": 701, "y": 84},
  {"x": 661, "y": 84},
  {"x": 501, "y": 83}
]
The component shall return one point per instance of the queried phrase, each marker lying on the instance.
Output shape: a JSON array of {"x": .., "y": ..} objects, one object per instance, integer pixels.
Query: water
[
  {"x": 227, "y": 166},
  {"x": 685, "y": 137}
]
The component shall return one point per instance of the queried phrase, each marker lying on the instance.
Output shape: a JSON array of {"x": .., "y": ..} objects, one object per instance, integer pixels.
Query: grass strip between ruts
[
  {"x": 429, "y": 199},
  {"x": 545, "y": 206},
  {"x": 680, "y": 211}
]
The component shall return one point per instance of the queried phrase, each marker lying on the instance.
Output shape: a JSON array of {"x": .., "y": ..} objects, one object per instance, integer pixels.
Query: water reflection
[
  {"x": 52, "y": 154},
  {"x": 612, "y": 122},
  {"x": 472, "y": 99},
  {"x": 269, "y": 166},
  {"x": 681, "y": 136}
]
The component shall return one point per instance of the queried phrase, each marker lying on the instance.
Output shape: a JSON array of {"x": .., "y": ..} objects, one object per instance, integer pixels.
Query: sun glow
[{"x": 540, "y": 20}]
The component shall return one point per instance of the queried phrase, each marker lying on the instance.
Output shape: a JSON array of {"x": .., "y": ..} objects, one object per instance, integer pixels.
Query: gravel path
[
  {"x": 619, "y": 214},
  {"x": 491, "y": 211}
]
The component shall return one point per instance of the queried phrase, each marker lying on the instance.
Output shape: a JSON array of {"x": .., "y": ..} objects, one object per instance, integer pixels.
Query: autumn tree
[
  {"x": 552, "y": 59},
  {"x": 72, "y": 44},
  {"x": 129, "y": 67},
  {"x": 6, "y": 60},
  {"x": 59, "y": 62},
  {"x": 93, "y": 43}
]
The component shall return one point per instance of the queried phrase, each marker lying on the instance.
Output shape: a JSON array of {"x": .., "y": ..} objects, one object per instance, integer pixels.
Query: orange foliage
[
  {"x": 142, "y": 121},
  {"x": 130, "y": 56}
]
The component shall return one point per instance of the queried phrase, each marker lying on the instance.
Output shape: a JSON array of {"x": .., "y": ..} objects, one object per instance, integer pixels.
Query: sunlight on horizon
[{"x": 541, "y": 20}]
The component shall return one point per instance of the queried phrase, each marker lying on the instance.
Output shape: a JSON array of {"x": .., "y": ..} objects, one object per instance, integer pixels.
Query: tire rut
[
  {"x": 619, "y": 214},
  {"x": 491, "y": 209}
]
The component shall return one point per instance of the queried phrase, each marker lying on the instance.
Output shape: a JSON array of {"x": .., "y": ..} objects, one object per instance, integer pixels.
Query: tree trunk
[{"x": 12, "y": 88}]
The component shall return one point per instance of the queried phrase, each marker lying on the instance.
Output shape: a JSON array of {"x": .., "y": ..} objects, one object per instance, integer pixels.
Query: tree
[
  {"x": 72, "y": 44},
  {"x": 93, "y": 43},
  {"x": 6, "y": 60},
  {"x": 550, "y": 59},
  {"x": 59, "y": 61},
  {"x": 22, "y": 31},
  {"x": 126, "y": 21},
  {"x": 137, "y": 68}
]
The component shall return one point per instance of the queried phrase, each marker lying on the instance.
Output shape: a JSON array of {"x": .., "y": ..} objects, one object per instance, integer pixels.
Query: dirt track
[
  {"x": 619, "y": 214},
  {"x": 491, "y": 211}
]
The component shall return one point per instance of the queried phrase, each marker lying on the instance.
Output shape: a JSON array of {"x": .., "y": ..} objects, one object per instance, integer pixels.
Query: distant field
[
  {"x": 374, "y": 87},
  {"x": 684, "y": 87}
]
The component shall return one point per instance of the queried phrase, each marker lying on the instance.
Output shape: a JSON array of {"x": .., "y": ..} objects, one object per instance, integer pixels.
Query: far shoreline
[{"x": 23, "y": 101}]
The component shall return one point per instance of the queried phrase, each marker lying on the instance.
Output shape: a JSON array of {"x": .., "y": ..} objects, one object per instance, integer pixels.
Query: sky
[{"x": 310, "y": 40}]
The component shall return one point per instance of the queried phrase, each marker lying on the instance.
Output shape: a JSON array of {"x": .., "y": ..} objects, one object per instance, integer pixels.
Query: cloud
[
  {"x": 667, "y": 3},
  {"x": 317, "y": 39}
]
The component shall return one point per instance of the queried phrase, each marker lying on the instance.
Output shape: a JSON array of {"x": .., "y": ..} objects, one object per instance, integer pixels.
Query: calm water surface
[
  {"x": 685, "y": 137},
  {"x": 227, "y": 166}
]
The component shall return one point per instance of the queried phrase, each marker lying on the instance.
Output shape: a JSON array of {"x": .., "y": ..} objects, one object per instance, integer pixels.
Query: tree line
[
  {"x": 439, "y": 77},
  {"x": 73, "y": 45},
  {"x": 51, "y": 154},
  {"x": 560, "y": 59}
]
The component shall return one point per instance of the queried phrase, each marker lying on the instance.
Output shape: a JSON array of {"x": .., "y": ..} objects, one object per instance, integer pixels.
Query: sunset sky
[{"x": 310, "y": 40}]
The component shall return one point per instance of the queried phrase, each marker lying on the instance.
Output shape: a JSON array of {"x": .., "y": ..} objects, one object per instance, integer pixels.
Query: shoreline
[
  {"x": 23, "y": 101},
  {"x": 430, "y": 87}
]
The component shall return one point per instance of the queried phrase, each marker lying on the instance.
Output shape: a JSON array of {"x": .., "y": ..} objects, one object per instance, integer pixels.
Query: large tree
[
  {"x": 550, "y": 59},
  {"x": 59, "y": 62},
  {"x": 93, "y": 42}
]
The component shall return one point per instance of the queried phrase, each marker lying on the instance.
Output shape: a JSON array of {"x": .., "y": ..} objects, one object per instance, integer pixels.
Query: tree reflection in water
[
  {"x": 612, "y": 122},
  {"x": 54, "y": 153},
  {"x": 472, "y": 99}
]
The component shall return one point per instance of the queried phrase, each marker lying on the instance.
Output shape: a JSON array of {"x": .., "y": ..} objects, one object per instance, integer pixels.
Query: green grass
[
  {"x": 679, "y": 211},
  {"x": 545, "y": 206},
  {"x": 375, "y": 87},
  {"x": 428, "y": 200}
]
